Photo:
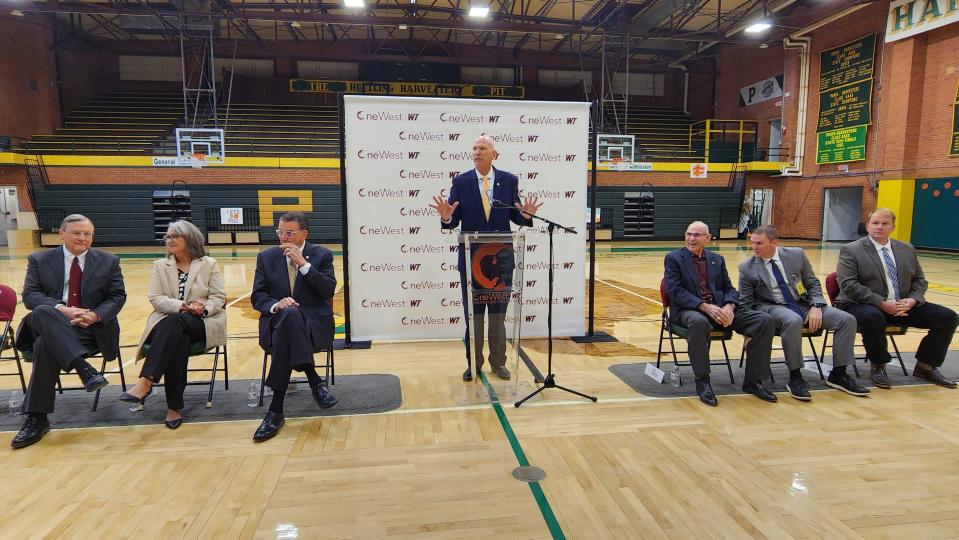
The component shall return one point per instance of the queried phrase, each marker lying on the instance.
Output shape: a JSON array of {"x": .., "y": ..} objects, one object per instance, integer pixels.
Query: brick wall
[
  {"x": 739, "y": 66},
  {"x": 28, "y": 94}
]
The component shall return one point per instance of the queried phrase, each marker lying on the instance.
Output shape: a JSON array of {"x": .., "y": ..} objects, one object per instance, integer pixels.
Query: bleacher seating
[
  {"x": 127, "y": 123},
  {"x": 280, "y": 130},
  {"x": 661, "y": 134}
]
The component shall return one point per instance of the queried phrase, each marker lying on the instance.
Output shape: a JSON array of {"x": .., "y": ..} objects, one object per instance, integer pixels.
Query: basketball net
[{"x": 198, "y": 160}]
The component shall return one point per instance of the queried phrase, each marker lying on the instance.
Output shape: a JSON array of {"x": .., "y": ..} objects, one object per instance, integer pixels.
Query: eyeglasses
[
  {"x": 287, "y": 234},
  {"x": 172, "y": 237},
  {"x": 80, "y": 234},
  {"x": 696, "y": 234}
]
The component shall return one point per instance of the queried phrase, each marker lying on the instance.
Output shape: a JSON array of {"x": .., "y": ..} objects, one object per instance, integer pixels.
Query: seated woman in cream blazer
[{"x": 188, "y": 298}]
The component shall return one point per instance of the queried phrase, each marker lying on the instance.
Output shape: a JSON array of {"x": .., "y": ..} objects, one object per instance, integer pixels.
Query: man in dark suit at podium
[
  {"x": 485, "y": 199},
  {"x": 293, "y": 291}
]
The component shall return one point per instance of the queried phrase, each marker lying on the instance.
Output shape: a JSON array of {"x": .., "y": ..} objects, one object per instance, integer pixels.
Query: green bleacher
[
  {"x": 661, "y": 134},
  {"x": 261, "y": 130},
  {"x": 128, "y": 123}
]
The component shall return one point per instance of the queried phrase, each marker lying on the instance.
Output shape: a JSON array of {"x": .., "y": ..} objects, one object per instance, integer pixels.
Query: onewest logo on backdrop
[{"x": 400, "y": 153}]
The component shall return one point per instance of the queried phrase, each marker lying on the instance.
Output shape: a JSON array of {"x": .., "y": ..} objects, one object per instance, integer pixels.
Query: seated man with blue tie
[
  {"x": 293, "y": 291},
  {"x": 780, "y": 281},
  {"x": 881, "y": 283}
]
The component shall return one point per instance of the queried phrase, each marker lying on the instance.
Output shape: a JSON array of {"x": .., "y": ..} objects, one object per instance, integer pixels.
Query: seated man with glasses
[
  {"x": 293, "y": 291},
  {"x": 702, "y": 298},
  {"x": 75, "y": 292}
]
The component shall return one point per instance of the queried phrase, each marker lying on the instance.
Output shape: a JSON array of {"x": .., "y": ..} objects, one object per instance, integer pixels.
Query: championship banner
[{"x": 400, "y": 152}]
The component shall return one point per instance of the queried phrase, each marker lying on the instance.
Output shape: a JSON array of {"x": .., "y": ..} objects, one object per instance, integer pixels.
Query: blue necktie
[
  {"x": 784, "y": 289},
  {"x": 893, "y": 273}
]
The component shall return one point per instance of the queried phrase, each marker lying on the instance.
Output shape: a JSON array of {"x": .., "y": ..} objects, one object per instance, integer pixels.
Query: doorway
[
  {"x": 9, "y": 206},
  {"x": 842, "y": 208},
  {"x": 775, "y": 140}
]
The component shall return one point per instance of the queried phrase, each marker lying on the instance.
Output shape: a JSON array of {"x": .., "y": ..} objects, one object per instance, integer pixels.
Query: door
[
  {"x": 757, "y": 209},
  {"x": 9, "y": 206},
  {"x": 842, "y": 208},
  {"x": 775, "y": 139}
]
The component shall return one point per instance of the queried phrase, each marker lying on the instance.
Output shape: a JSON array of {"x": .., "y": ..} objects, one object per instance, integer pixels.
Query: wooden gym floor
[{"x": 628, "y": 466}]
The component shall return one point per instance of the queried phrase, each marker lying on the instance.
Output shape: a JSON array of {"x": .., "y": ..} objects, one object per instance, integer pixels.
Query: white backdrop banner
[{"x": 400, "y": 152}]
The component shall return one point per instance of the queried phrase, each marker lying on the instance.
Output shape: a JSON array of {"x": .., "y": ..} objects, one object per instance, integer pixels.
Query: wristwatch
[{"x": 819, "y": 305}]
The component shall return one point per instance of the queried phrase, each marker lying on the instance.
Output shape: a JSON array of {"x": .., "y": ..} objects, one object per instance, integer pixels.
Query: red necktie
[{"x": 76, "y": 276}]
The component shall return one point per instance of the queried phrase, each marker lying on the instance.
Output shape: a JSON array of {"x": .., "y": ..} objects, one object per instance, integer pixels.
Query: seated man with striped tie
[
  {"x": 780, "y": 281},
  {"x": 881, "y": 283}
]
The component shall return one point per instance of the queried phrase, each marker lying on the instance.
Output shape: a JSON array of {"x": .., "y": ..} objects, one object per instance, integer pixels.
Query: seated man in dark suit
[
  {"x": 75, "y": 293},
  {"x": 293, "y": 291},
  {"x": 702, "y": 298},
  {"x": 881, "y": 283}
]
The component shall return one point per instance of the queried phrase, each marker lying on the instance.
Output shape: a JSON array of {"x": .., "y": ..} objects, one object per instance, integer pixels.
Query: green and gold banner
[
  {"x": 847, "y": 63},
  {"x": 954, "y": 148},
  {"x": 842, "y": 145},
  {"x": 848, "y": 106},
  {"x": 408, "y": 89}
]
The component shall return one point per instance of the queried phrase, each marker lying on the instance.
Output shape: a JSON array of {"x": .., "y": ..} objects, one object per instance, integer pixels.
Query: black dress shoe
[
  {"x": 501, "y": 372},
  {"x": 34, "y": 428},
  {"x": 877, "y": 373},
  {"x": 934, "y": 376},
  {"x": 92, "y": 379},
  {"x": 757, "y": 389},
  {"x": 706, "y": 394},
  {"x": 173, "y": 424},
  {"x": 322, "y": 396},
  {"x": 468, "y": 375},
  {"x": 269, "y": 427},
  {"x": 130, "y": 398},
  {"x": 847, "y": 384},
  {"x": 798, "y": 389}
]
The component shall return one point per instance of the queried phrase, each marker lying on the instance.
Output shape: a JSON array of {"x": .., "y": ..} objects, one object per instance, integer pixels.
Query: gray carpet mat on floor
[
  {"x": 633, "y": 375},
  {"x": 357, "y": 394}
]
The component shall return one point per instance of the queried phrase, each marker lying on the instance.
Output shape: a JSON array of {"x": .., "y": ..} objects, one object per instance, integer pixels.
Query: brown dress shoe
[
  {"x": 934, "y": 376},
  {"x": 877, "y": 373}
]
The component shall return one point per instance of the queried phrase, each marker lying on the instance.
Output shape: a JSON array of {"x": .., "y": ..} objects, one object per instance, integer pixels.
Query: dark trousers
[
  {"x": 290, "y": 347},
  {"x": 758, "y": 326},
  {"x": 495, "y": 334},
  {"x": 940, "y": 321},
  {"x": 57, "y": 346},
  {"x": 169, "y": 353}
]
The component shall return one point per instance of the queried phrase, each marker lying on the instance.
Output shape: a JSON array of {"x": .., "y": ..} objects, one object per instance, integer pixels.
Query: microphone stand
[{"x": 550, "y": 380}]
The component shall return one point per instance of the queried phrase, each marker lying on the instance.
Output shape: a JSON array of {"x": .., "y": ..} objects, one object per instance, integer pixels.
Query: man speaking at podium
[{"x": 484, "y": 199}]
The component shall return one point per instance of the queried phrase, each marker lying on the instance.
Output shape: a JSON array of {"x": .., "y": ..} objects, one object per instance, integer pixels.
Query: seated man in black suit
[
  {"x": 702, "y": 298},
  {"x": 75, "y": 293},
  {"x": 293, "y": 291}
]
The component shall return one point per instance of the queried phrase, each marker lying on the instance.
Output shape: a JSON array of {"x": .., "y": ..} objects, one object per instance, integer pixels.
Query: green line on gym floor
[{"x": 551, "y": 522}]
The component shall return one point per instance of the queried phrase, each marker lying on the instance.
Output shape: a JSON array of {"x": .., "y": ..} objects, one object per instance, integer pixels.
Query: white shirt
[
  {"x": 892, "y": 293},
  {"x": 303, "y": 270},
  {"x": 774, "y": 285},
  {"x": 67, "y": 263}
]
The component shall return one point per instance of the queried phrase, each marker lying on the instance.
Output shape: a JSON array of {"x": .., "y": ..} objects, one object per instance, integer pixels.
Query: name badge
[{"x": 800, "y": 288}]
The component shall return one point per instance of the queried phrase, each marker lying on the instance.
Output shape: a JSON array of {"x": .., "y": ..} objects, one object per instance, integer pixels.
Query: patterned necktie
[
  {"x": 485, "y": 194},
  {"x": 784, "y": 289},
  {"x": 291, "y": 271},
  {"x": 73, "y": 291},
  {"x": 893, "y": 273}
]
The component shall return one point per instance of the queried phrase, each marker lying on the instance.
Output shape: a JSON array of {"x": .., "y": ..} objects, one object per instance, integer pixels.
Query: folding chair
[
  {"x": 200, "y": 349},
  {"x": 892, "y": 330},
  {"x": 93, "y": 353},
  {"x": 674, "y": 329},
  {"x": 806, "y": 334},
  {"x": 328, "y": 367},
  {"x": 8, "y": 305}
]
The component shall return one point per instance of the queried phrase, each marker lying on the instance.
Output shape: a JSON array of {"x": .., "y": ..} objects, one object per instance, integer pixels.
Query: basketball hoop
[{"x": 198, "y": 160}]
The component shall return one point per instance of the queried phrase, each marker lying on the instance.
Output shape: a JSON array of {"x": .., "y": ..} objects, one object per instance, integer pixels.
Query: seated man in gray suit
[
  {"x": 780, "y": 281},
  {"x": 881, "y": 283},
  {"x": 75, "y": 293},
  {"x": 702, "y": 298}
]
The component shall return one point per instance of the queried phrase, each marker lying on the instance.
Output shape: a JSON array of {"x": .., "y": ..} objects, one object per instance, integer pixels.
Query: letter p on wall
[{"x": 272, "y": 201}]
